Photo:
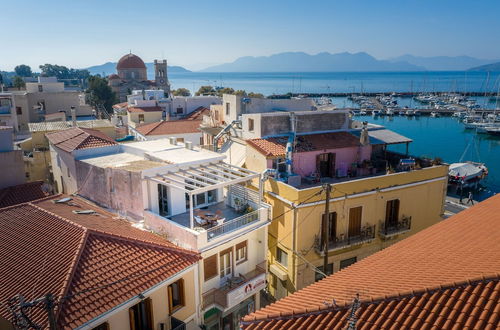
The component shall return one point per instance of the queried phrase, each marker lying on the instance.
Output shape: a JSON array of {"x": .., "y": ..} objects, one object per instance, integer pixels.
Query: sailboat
[{"x": 467, "y": 174}]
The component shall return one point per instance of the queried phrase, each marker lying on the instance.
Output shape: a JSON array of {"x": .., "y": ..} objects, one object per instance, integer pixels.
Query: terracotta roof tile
[
  {"x": 197, "y": 114},
  {"x": 444, "y": 276},
  {"x": 45, "y": 247},
  {"x": 275, "y": 146},
  {"x": 120, "y": 105},
  {"x": 22, "y": 193},
  {"x": 135, "y": 109},
  {"x": 170, "y": 127},
  {"x": 79, "y": 138}
]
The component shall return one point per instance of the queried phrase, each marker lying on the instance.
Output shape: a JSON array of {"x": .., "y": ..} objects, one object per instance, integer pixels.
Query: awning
[
  {"x": 388, "y": 136},
  {"x": 198, "y": 179},
  {"x": 211, "y": 130}
]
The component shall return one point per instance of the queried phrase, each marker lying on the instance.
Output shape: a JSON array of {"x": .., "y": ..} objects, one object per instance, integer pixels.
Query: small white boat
[
  {"x": 389, "y": 112},
  {"x": 434, "y": 114},
  {"x": 467, "y": 174},
  {"x": 495, "y": 131},
  {"x": 375, "y": 113},
  {"x": 417, "y": 113},
  {"x": 410, "y": 112}
]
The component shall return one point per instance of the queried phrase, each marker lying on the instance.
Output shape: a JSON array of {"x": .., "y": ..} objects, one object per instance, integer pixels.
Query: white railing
[{"x": 233, "y": 225}]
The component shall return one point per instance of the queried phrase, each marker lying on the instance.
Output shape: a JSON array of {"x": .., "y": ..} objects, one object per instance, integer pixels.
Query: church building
[{"x": 132, "y": 75}]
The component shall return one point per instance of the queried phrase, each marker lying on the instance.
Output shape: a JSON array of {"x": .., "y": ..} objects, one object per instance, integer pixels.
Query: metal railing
[
  {"x": 176, "y": 324},
  {"x": 366, "y": 234},
  {"x": 400, "y": 226},
  {"x": 218, "y": 296},
  {"x": 233, "y": 225}
]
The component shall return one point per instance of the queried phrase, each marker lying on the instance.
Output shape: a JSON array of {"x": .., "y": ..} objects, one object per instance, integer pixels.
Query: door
[
  {"x": 332, "y": 227},
  {"x": 355, "y": 221},
  {"x": 325, "y": 164},
  {"x": 163, "y": 200},
  {"x": 392, "y": 213},
  {"x": 226, "y": 264}
]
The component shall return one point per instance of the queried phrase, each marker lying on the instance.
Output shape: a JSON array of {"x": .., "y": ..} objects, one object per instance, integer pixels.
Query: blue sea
[{"x": 442, "y": 137}]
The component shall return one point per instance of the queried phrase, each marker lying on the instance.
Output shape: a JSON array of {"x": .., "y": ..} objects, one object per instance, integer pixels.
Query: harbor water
[{"x": 446, "y": 138}]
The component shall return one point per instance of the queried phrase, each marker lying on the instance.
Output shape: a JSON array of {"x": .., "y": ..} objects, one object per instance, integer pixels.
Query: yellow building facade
[{"x": 295, "y": 248}]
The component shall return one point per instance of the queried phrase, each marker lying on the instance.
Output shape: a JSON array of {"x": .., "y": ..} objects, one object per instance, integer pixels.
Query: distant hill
[
  {"x": 442, "y": 63},
  {"x": 322, "y": 62},
  {"x": 110, "y": 67},
  {"x": 487, "y": 67}
]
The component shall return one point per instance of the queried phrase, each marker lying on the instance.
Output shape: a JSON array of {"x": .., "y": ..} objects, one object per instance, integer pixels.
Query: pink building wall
[{"x": 304, "y": 163}]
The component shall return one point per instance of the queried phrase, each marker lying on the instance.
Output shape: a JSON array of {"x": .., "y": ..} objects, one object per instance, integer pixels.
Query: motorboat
[
  {"x": 434, "y": 114},
  {"x": 468, "y": 174},
  {"x": 495, "y": 131}
]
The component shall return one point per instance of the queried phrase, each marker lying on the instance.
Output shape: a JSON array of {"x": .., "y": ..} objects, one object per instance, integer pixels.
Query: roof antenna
[{"x": 352, "y": 319}]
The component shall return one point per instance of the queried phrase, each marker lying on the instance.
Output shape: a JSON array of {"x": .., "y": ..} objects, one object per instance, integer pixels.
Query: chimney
[
  {"x": 73, "y": 116},
  {"x": 364, "y": 138}
]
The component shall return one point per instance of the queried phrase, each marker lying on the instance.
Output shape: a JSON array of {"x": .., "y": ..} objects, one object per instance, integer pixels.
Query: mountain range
[
  {"x": 110, "y": 67},
  {"x": 487, "y": 67},
  {"x": 342, "y": 62}
]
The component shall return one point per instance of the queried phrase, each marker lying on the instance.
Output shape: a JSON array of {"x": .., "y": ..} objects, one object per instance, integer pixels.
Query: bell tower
[{"x": 161, "y": 77}]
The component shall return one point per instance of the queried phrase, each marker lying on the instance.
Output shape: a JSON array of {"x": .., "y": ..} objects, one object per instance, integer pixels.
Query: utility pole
[
  {"x": 327, "y": 187},
  {"x": 49, "y": 307}
]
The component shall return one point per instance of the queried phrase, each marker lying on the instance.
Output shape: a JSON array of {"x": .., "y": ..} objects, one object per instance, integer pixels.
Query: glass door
[{"x": 226, "y": 269}]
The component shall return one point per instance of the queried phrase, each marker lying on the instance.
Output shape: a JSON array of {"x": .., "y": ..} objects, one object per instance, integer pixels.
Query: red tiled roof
[
  {"x": 21, "y": 193},
  {"x": 275, "y": 146},
  {"x": 79, "y": 138},
  {"x": 197, "y": 114},
  {"x": 440, "y": 275},
  {"x": 113, "y": 76},
  {"x": 120, "y": 105},
  {"x": 135, "y": 109},
  {"x": 170, "y": 127},
  {"x": 46, "y": 248},
  {"x": 130, "y": 61}
]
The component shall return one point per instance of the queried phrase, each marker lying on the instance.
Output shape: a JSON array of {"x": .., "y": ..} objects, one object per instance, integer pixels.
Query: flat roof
[{"x": 123, "y": 160}]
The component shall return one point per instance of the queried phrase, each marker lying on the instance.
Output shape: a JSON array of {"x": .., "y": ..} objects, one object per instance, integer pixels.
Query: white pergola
[{"x": 194, "y": 180}]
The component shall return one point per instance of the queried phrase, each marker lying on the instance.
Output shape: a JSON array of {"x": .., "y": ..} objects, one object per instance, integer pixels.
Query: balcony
[
  {"x": 388, "y": 230},
  {"x": 5, "y": 109},
  {"x": 366, "y": 234},
  {"x": 236, "y": 289}
]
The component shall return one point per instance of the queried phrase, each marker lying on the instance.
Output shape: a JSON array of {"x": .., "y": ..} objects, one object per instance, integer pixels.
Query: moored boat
[{"x": 468, "y": 174}]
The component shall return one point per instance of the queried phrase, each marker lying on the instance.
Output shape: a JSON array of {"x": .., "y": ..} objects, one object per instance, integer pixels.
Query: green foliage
[
  {"x": 240, "y": 92},
  {"x": 1, "y": 79},
  {"x": 206, "y": 90},
  {"x": 99, "y": 93},
  {"x": 181, "y": 92},
  {"x": 23, "y": 71},
  {"x": 225, "y": 90},
  {"x": 256, "y": 95},
  {"x": 62, "y": 72},
  {"x": 18, "y": 82}
]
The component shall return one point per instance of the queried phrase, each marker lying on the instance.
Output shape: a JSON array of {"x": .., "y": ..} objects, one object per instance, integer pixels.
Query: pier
[{"x": 374, "y": 94}]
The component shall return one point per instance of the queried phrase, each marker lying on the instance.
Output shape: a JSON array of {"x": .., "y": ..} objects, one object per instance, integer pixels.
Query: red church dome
[
  {"x": 113, "y": 76},
  {"x": 130, "y": 61}
]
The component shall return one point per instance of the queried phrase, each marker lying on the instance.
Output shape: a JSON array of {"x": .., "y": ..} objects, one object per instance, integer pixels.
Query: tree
[
  {"x": 225, "y": 90},
  {"x": 256, "y": 95},
  {"x": 23, "y": 70},
  {"x": 18, "y": 82},
  {"x": 181, "y": 92},
  {"x": 240, "y": 92},
  {"x": 99, "y": 93},
  {"x": 62, "y": 72},
  {"x": 206, "y": 90}
]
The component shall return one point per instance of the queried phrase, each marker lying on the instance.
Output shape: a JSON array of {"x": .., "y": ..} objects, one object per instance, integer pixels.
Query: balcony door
[
  {"x": 163, "y": 200},
  {"x": 226, "y": 264},
  {"x": 355, "y": 221},
  {"x": 332, "y": 227},
  {"x": 325, "y": 165},
  {"x": 392, "y": 213}
]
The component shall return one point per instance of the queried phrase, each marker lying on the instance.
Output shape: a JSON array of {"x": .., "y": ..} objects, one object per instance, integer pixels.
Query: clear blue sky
[{"x": 195, "y": 34}]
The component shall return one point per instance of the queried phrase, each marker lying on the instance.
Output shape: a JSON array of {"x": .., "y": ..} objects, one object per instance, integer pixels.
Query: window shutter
[
  {"x": 241, "y": 244},
  {"x": 131, "y": 316},
  {"x": 210, "y": 267},
  {"x": 149, "y": 311}
]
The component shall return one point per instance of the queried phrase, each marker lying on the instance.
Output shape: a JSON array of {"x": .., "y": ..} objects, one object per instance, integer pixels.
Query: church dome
[
  {"x": 130, "y": 61},
  {"x": 113, "y": 76}
]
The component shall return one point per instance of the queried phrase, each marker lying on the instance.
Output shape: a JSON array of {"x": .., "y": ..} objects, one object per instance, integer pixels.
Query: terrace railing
[
  {"x": 233, "y": 225},
  {"x": 390, "y": 229},
  {"x": 366, "y": 234}
]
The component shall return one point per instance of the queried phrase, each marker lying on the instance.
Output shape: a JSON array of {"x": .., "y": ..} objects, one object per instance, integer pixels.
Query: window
[
  {"x": 103, "y": 326},
  {"x": 347, "y": 262},
  {"x": 181, "y": 140},
  {"x": 141, "y": 117},
  {"x": 329, "y": 271},
  {"x": 250, "y": 124},
  {"x": 69, "y": 174},
  {"x": 176, "y": 295},
  {"x": 210, "y": 267},
  {"x": 19, "y": 110},
  {"x": 355, "y": 221},
  {"x": 282, "y": 257},
  {"x": 279, "y": 164},
  {"x": 141, "y": 316},
  {"x": 227, "y": 108},
  {"x": 241, "y": 252},
  {"x": 40, "y": 88},
  {"x": 226, "y": 263},
  {"x": 332, "y": 227},
  {"x": 179, "y": 110},
  {"x": 392, "y": 213},
  {"x": 163, "y": 200}
]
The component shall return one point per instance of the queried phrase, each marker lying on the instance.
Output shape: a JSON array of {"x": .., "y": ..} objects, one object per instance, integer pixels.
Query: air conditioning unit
[{"x": 188, "y": 145}]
